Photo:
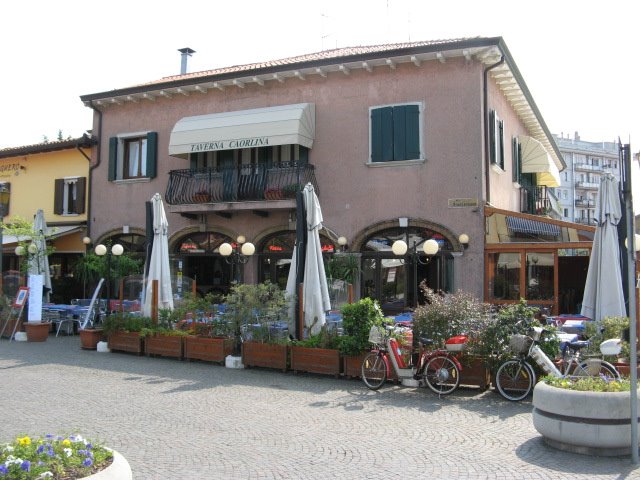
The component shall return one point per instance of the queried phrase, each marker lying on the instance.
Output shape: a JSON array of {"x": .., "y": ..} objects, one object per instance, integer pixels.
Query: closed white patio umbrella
[
  {"x": 159, "y": 262},
  {"x": 38, "y": 259},
  {"x": 603, "y": 295}
]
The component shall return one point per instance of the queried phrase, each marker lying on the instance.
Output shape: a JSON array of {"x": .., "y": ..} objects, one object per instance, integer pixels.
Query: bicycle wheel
[
  {"x": 515, "y": 379},
  {"x": 374, "y": 371},
  {"x": 595, "y": 367},
  {"x": 442, "y": 375}
]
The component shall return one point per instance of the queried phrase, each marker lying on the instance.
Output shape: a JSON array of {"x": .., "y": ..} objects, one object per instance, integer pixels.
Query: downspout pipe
[
  {"x": 487, "y": 142},
  {"x": 94, "y": 166}
]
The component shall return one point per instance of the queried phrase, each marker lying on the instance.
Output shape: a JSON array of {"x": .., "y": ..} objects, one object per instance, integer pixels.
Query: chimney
[
  {"x": 186, "y": 52},
  {"x": 576, "y": 137}
]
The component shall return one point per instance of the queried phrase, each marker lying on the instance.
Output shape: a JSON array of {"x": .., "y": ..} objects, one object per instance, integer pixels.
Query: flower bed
[{"x": 53, "y": 456}]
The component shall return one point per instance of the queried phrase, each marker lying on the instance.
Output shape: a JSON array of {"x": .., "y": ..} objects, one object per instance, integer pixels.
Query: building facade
[
  {"x": 586, "y": 163},
  {"x": 54, "y": 177},
  {"x": 416, "y": 141}
]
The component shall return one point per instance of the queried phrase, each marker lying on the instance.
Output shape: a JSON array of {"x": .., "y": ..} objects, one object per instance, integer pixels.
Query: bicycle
[
  {"x": 516, "y": 377},
  {"x": 439, "y": 368}
]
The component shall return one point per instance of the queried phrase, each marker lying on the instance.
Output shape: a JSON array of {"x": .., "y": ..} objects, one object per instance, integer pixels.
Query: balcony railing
[
  {"x": 238, "y": 184},
  {"x": 580, "y": 202},
  {"x": 587, "y": 167},
  {"x": 585, "y": 221},
  {"x": 587, "y": 185},
  {"x": 534, "y": 200}
]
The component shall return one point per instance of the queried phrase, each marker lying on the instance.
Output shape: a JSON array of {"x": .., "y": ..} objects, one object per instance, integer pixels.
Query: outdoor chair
[{"x": 58, "y": 319}]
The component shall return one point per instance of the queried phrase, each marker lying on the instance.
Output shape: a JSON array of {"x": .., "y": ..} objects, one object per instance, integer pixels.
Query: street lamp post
[
  {"x": 237, "y": 254},
  {"x": 400, "y": 248},
  {"x": 101, "y": 250}
]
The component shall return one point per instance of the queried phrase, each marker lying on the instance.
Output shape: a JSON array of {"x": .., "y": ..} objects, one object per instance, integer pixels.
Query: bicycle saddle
[
  {"x": 577, "y": 345},
  {"x": 426, "y": 341}
]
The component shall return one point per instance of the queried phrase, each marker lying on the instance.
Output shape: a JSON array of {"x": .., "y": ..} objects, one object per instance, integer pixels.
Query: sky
[{"x": 578, "y": 58}]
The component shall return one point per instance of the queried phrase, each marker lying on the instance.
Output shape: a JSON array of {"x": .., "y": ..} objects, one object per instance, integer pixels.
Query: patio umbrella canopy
[
  {"x": 603, "y": 295},
  {"x": 39, "y": 261},
  {"x": 159, "y": 261},
  {"x": 315, "y": 291}
]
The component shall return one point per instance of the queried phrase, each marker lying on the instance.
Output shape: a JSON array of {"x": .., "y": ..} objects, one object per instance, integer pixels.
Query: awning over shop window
[
  {"x": 259, "y": 127},
  {"x": 532, "y": 227},
  {"x": 52, "y": 233},
  {"x": 536, "y": 159}
]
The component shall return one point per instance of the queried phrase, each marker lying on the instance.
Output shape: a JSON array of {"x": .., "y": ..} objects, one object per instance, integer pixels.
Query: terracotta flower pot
[
  {"x": 90, "y": 337},
  {"x": 37, "y": 331}
]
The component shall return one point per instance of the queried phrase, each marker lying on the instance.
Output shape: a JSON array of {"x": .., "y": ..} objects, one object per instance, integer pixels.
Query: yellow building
[{"x": 51, "y": 176}]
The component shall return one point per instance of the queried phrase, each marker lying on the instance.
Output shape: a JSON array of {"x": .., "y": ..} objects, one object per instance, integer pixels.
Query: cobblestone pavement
[{"x": 192, "y": 420}]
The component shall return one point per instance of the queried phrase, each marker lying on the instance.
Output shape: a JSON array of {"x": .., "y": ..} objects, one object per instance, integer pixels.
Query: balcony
[
  {"x": 587, "y": 167},
  {"x": 535, "y": 200},
  {"x": 237, "y": 188},
  {"x": 585, "y": 221},
  {"x": 581, "y": 202},
  {"x": 587, "y": 185}
]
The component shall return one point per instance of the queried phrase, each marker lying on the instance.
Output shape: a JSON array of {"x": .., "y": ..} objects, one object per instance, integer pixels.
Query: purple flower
[
  {"x": 26, "y": 465},
  {"x": 87, "y": 462},
  {"x": 40, "y": 449},
  {"x": 49, "y": 435},
  {"x": 89, "y": 446},
  {"x": 3, "y": 470}
]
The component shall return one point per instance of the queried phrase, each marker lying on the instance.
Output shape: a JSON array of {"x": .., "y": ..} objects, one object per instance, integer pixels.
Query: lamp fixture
[
  {"x": 86, "y": 240},
  {"x": 237, "y": 255},
  {"x": 464, "y": 240},
  {"x": 429, "y": 248},
  {"x": 342, "y": 243}
]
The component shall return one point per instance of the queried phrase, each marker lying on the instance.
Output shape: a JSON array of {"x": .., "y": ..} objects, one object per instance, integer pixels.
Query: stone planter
[
  {"x": 315, "y": 360},
  {"x": 268, "y": 355},
  {"x": 90, "y": 337},
  {"x": 118, "y": 470},
  {"x": 209, "y": 349},
  {"x": 591, "y": 423},
  {"x": 127, "y": 342},
  {"x": 164, "y": 346},
  {"x": 37, "y": 331}
]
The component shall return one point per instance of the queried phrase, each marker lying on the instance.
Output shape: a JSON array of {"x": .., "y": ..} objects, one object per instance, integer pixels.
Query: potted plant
[
  {"x": 273, "y": 193},
  {"x": 587, "y": 415},
  {"x": 610, "y": 327},
  {"x": 290, "y": 191},
  {"x": 342, "y": 272},
  {"x": 201, "y": 196},
  {"x": 37, "y": 331},
  {"x": 123, "y": 331},
  {"x": 357, "y": 320}
]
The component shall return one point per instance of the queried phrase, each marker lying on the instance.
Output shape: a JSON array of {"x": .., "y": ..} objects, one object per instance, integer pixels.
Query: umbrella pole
[{"x": 154, "y": 302}]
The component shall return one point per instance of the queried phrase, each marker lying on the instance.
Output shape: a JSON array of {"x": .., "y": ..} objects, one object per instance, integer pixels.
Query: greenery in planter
[
  {"x": 357, "y": 320},
  {"x": 290, "y": 191},
  {"x": 125, "y": 322},
  {"x": 612, "y": 327},
  {"x": 589, "y": 384},
  {"x": 343, "y": 266},
  {"x": 246, "y": 303},
  {"x": 91, "y": 267},
  {"x": 325, "y": 338}
]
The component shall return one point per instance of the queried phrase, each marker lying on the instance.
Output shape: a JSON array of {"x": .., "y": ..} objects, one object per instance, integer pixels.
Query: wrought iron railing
[
  {"x": 238, "y": 184},
  {"x": 534, "y": 200}
]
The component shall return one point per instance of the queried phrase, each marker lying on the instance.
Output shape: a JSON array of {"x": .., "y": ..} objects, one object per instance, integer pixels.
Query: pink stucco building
[{"x": 407, "y": 141}]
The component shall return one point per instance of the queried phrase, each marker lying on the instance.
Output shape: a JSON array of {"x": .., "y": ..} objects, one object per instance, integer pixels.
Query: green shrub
[
  {"x": 589, "y": 384},
  {"x": 357, "y": 320},
  {"x": 325, "y": 338},
  {"x": 125, "y": 322},
  {"x": 612, "y": 327}
]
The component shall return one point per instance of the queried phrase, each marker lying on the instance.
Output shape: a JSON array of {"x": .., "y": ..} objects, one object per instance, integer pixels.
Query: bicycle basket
[
  {"x": 520, "y": 344},
  {"x": 376, "y": 335}
]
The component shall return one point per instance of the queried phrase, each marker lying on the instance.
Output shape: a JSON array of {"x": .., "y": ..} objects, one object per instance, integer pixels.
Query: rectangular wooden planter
[
  {"x": 268, "y": 355},
  {"x": 208, "y": 349},
  {"x": 127, "y": 342},
  {"x": 475, "y": 373},
  {"x": 315, "y": 360},
  {"x": 624, "y": 369},
  {"x": 352, "y": 365},
  {"x": 164, "y": 346}
]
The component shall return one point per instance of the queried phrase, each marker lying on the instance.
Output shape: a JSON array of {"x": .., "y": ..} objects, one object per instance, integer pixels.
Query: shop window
[
  {"x": 5, "y": 197},
  {"x": 496, "y": 141},
  {"x": 504, "y": 281},
  {"x": 133, "y": 156},
  {"x": 539, "y": 276},
  {"x": 395, "y": 133},
  {"x": 69, "y": 196}
]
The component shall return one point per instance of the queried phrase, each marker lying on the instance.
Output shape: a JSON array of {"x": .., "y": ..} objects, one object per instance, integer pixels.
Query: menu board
[{"x": 34, "y": 314}]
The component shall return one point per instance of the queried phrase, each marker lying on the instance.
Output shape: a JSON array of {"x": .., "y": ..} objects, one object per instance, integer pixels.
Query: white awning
[
  {"x": 536, "y": 159},
  {"x": 259, "y": 127}
]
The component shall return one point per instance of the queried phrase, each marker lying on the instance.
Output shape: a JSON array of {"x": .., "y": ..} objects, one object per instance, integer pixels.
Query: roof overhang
[
  {"x": 342, "y": 61},
  {"x": 259, "y": 127},
  {"x": 51, "y": 234}
]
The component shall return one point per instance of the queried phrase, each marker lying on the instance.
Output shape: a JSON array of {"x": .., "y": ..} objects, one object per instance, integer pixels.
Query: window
[
  {"x": 566, "y": 213},
  {"x": 69, "y": 196},
  {"x": 133, "y": 156},
  {"x": 5, "y": 197},
  {"x": 496, "y": 145},
  {"x": 516, "y": 157},
  {"x": 395, "y": 133}
]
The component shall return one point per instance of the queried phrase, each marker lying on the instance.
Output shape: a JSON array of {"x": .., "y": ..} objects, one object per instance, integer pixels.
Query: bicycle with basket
[
  {"x": 439, "y": 369},
  {"x": 516, "y": 377}
]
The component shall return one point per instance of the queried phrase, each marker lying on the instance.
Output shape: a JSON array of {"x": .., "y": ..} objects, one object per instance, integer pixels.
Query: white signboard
[{"x": 35, "y": 298}]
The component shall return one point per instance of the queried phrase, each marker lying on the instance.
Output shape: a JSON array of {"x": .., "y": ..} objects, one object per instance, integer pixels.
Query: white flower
[
  {"x": 68, "y": 451},
  {"x": 46, "y": 475},
  {"x": 8, "y": 448}
]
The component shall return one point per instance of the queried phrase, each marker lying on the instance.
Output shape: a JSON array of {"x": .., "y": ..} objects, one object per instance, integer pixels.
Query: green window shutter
[
  {"x": 410, "y": 135},
  {"x": 516, "y": 165},
  {"x": 382, "y": 134},
  {"x": 113, "y": 159},
  {"x": 81, "y": 188},
  {"x": 152, "y": 154},
  {"x": 58, "y": 197},
  {"x": 501, "y": 143},
  {"x": 492, "y": 136}
]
